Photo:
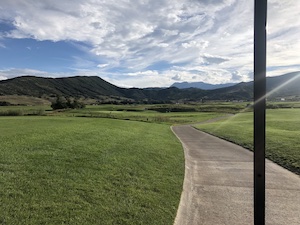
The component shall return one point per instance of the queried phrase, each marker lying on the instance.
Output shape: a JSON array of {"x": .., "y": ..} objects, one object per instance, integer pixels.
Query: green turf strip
[{"x": 56, "y": 170}]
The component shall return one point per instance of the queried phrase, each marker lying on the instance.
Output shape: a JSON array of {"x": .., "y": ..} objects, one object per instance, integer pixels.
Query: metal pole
[{"x": 260, "y": 19}]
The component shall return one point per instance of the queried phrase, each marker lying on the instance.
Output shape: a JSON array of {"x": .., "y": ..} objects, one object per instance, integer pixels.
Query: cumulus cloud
[
  {"x": 208, "y": 40},
  {"x": 283, "y": 34},
  {"x": 3, "y": 78}
]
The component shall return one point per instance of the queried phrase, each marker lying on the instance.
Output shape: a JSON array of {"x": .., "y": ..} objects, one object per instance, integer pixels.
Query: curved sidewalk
[{"x": 218, "y": 184}]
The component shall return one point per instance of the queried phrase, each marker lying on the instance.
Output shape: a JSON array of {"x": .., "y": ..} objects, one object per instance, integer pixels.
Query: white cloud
[
  {"x": 102, "y": 65},
  {"x": 283, "y": 34},
  {"x": 13, "y": 72},
  {"x": 144, "y": 73},
  {"x": 3, "y": 78},
  {"x": 208, "y": 40}
]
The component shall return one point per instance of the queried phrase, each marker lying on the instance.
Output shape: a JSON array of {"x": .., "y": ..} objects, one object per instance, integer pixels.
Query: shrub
[
  {"x": 62, "y": 103},
  {"x": 12, "y": 113},
  {"x": 4, "y": 103}
]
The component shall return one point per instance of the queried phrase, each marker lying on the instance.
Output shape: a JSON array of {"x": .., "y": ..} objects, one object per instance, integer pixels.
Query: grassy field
[
  {"x": 282, "y": 134},
  {"x": 145, "y": 113},
  {"x": 116, "y": 164},
  {"x": 69, "y": 170}
]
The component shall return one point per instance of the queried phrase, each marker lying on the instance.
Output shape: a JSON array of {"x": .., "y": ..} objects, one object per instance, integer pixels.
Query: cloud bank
[{"x": 155, "y": 43}]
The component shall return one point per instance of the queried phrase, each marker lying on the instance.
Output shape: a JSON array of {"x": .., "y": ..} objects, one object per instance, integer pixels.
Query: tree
[
  {"x": 62, "y": 103},
  {"x": 59, "y": 103}
]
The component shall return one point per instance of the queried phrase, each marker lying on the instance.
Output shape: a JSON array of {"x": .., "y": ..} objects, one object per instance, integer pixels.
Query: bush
[
  {"x": 12, "y": 113},
  {"x": 39, "y": 112},
  {"x": 4, "y": 103},
  {"x": 62, "y": 103}
]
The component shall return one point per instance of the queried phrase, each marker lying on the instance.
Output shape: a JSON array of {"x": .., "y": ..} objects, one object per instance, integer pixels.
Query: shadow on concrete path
[{"x": 218, "y": 184}]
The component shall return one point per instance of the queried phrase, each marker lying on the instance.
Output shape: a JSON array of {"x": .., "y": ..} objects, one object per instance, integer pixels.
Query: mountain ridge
[
  {"x": 95, "y": 87},
  {"x": 201, "y": 85}
]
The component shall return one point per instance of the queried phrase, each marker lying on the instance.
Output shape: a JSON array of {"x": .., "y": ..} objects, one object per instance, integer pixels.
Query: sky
[{"x": 145, "y": 43}]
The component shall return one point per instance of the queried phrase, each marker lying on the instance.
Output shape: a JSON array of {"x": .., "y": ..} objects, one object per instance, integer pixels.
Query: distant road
[{"x": 218, "y": 184}]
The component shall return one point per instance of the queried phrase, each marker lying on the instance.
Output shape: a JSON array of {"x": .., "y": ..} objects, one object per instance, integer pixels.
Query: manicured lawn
[
  {"x": 282, "y": 134},
  {"x": 142, "y": 113},
  {"x": 70, "y": 170}
]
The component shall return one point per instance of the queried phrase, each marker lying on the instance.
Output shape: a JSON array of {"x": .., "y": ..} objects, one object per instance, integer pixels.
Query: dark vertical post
[{"x": 260, "y": 19}]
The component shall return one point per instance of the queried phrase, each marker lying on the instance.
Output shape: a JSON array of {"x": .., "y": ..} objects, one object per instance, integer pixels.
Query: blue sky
[{"x": 144, "y": 43}]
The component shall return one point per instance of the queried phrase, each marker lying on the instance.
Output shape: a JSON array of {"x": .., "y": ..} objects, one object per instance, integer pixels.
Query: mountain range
[
  {"x": 285, "y": 86},
  {"x": 201, "y": 85}
]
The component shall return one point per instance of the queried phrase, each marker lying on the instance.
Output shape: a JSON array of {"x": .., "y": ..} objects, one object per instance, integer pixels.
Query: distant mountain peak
[{"x": 201, "y": 85}]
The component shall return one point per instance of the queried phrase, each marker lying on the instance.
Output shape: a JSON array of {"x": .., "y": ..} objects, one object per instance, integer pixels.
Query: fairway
[
  {"x": 149, "y": 113},
  {"x": 282, "y": 134},
  {"x": 68, "y": 170}
]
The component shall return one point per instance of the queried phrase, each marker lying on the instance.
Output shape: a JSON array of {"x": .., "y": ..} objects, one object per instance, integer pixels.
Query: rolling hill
[
  {"x": 285, "y": 86},
  {"x": 92, "y": 87}
]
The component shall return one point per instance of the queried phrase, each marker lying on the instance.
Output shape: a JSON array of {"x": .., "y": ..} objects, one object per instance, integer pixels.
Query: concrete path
[{"x": 218, "y": 184}]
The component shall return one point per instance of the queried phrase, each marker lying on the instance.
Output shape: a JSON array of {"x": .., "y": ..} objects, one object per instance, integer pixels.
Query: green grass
[
  {"x": 68, "y": 170},
  {"x": 140, "y": 113},
  {"x": 283, "y": 104},
  {"x": 89, "y": 167},
  {"x": 123, "y": 112},
  {"x": 282, "y": 134},
  {"x": 74, "y": 167}
]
